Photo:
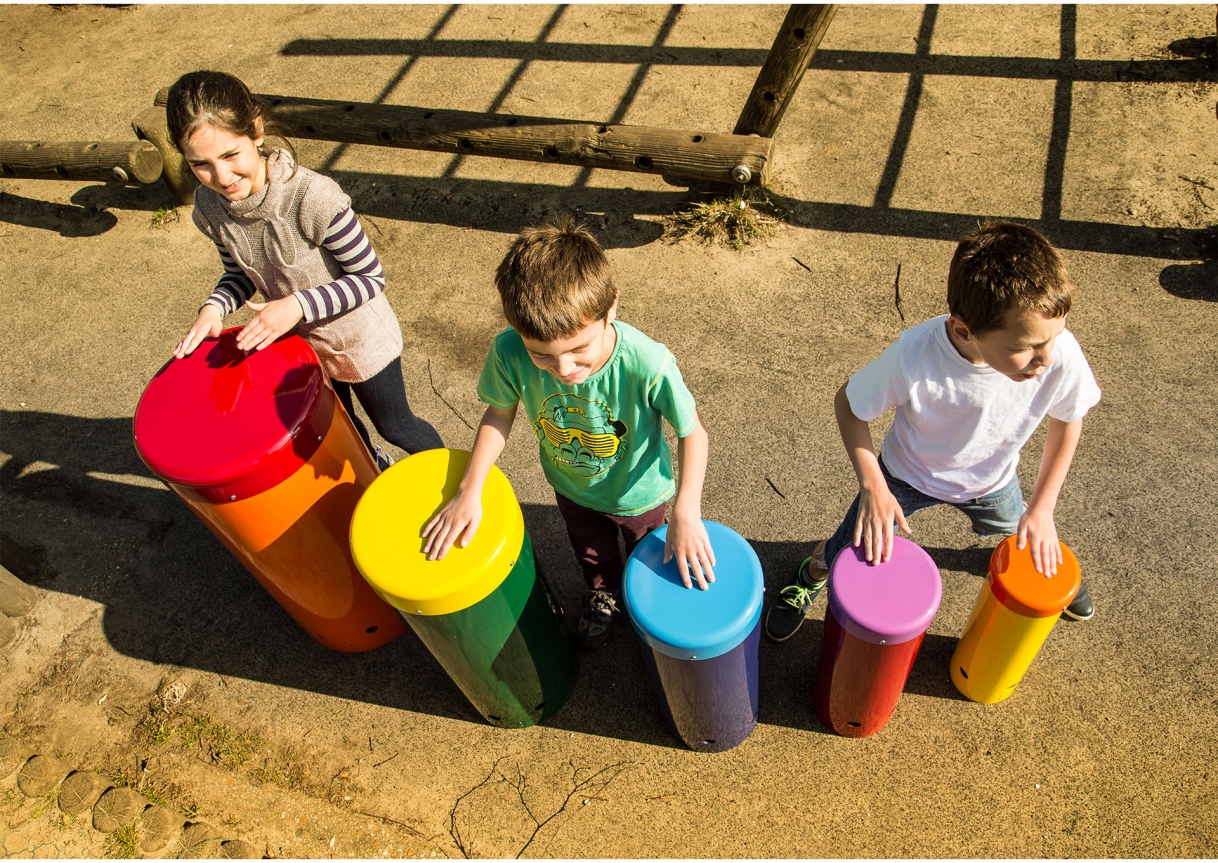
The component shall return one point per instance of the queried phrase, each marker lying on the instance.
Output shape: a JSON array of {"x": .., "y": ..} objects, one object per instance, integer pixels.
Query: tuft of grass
[
  {"x": 164, "y": 217},
  {"x": 190, "y": 810},
  {"x": 46, "y": 804},
  {"x": 735, "y": 220},
  {"x": 123, "y": 843},
  {"x": 221, "y": 743},
  {"x": 285, "y": 769}
]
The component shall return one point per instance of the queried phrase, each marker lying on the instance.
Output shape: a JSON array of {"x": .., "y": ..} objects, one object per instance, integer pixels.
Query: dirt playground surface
[{"x": 153, "y": 657}]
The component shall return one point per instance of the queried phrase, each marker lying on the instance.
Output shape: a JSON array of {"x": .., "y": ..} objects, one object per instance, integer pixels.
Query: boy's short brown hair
[
  {"x": 555, "y": 280},
  {"x": 1003, "y": 265}
]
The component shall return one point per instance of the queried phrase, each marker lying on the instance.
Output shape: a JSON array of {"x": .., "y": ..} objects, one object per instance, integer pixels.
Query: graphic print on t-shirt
[{"x": 580, "y": 435}]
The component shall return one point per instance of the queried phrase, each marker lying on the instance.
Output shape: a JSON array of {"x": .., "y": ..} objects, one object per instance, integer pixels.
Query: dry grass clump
[{"x": 735, "y": 220}]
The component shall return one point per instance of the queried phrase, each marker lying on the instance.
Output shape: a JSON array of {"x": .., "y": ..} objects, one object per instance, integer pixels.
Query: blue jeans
[{"x": 996, "y": 513}]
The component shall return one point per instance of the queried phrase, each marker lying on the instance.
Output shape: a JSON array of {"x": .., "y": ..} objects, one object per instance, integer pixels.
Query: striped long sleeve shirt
[{"x": 363, "y": 278}]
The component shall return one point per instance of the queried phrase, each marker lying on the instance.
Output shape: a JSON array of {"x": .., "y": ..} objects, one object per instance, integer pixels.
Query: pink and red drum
[
  {"x": 260, "y": 449},
  {"x": 877, "y": 617}
]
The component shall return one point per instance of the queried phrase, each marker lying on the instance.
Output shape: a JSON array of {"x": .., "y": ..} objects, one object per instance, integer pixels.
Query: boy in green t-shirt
[{"x": 595, "y": 391}]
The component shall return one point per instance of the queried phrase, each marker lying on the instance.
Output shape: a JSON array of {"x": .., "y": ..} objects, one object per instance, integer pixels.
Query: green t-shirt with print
[{"x": 601, "y": 441}]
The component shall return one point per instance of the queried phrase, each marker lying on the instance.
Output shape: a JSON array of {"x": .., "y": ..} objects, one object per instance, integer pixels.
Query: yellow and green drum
[{"x": 484, "y": 611}]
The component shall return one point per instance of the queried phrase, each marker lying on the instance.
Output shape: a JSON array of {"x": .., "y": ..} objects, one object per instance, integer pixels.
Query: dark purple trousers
[{"x": 594, "y": 537}]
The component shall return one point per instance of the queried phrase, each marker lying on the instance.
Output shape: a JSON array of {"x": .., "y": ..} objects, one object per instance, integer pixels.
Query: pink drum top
[{"x": 889, "y": 603}]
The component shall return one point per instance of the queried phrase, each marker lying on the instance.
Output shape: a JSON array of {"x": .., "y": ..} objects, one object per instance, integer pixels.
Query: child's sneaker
[
  {"x": 1081, "y": 608},
  {"x": 597, "y": 620},
  {"x": 383, "y": 460},
  {"x": 787, "y": 614}
]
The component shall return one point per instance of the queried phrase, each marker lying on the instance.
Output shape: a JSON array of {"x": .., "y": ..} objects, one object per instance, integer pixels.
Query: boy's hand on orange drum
[
  {"x": 688, "y": 541},
  {"x": 1038, "y": 528},
  {"x": 207, "y": 325},
  {"x": 458, "y": 520},
  {"x": 272, "y": 321},
  {"x": 878, "y": 509}
]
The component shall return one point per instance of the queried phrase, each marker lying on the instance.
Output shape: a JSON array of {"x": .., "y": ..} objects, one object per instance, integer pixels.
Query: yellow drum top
[
  {"x": 387, "y": 542},
  {"x": 1019, "y": 587}
]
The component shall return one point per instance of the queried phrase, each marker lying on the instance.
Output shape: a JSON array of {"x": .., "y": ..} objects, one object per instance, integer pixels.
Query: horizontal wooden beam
[
  {"x": 109, "y": 161},
  {"x": 710, "y": 156}
]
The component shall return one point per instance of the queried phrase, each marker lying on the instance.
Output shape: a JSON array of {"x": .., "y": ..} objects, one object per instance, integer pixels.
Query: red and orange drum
[{"x": 260, "y": 449}]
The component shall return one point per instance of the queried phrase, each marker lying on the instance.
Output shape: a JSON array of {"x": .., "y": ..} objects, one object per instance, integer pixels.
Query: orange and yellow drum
[
  {"x": 260, "y": 449},
  {"x": 1012, "y": 618}
]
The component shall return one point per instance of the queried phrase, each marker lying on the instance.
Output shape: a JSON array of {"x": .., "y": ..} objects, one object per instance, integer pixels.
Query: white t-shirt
[{"x": 959, "y": 427}]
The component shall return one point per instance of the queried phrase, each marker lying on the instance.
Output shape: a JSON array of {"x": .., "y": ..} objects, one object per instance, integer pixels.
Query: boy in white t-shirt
[{"x": 969, "y": 389}]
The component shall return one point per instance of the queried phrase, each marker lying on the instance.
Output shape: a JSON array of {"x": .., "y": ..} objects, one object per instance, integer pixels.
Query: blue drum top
[{"x": 689, "y": 623}]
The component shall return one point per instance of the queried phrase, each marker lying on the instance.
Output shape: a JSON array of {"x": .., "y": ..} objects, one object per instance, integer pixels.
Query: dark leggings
[{"x": 384, "y": 399}]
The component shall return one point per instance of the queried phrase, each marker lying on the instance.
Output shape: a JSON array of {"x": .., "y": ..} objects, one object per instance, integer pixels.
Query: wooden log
[
  {"x": 645, "y": 149},
  {"x": 151, "y": 126},
  {"x": 109, "y": 161},
  {"x": 784, "y": 68}
]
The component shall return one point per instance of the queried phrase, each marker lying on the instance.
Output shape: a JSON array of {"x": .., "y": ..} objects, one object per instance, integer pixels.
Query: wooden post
[
  {"x": 109, "y": 161},
  {"x": 784, "y": 68},
  {"x": 151, "y": 126},
  {"x": 672, "y": 152}
]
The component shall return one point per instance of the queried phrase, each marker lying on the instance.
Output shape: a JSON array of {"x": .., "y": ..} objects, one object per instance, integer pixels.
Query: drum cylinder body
[
  {"x": 877, "y": 617},
  {"x": 260, "y": 449},
  {"x": 1014, "y": 614},
  {"x": 700, "y": 646},
  {"x": 484, "y": 611}
]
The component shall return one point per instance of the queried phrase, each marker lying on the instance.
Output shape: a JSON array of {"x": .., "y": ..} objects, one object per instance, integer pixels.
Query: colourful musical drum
[
  {"x": 877, "y": 617},
  {"x": 484, "y": 611},
  {"x": 260, "y": 449},
  {"x": 700, "y": 646},
  {"x": 1011, "y": 619}
]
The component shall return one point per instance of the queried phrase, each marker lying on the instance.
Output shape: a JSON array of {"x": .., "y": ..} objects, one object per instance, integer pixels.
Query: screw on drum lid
[
  {"x": 887, "y": 603},
  {"x": 689, "y": 623},
  {"x": 387, "y": 541},
  {"x": 222, "y": 424},
  {"x": 1017, "y": 585}
]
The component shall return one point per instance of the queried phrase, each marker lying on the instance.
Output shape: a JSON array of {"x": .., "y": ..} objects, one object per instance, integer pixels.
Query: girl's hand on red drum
[
  {"x": 273, "y": 320},
  {"x": 207, "y": 325}
]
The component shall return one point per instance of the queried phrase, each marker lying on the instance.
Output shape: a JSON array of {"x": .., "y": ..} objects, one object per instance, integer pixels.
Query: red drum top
[{"x": 224, "y": 425}]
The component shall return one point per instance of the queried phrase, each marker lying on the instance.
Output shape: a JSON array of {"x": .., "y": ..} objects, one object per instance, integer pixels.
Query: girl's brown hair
[{"x": 199, "y": 99}]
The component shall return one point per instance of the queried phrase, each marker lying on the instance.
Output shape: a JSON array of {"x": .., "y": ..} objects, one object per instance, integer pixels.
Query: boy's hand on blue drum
[
  {"x": 878, "y": 510},
  {"x": 458, "y": 520},
  {"x": 1036, "y": 527},
  {"x": 273, "y": 320},
  {"x": 689, "y": 543},
  {"x": 207, "y": 325}
]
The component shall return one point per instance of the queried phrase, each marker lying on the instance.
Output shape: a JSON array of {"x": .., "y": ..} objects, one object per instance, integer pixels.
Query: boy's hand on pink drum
[
  {"x": 688, "y": 541},
  {"x": 273, "y": 320},
  {"x": 873, "y": 527},
  {"x": 458, "y": 520},
  {"x": 207, "y": 325},
  {"x": 1036, "y": 527}
]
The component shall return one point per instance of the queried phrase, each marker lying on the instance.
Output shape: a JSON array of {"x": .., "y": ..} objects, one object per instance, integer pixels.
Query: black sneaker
[
  {"x": 786, "y": 616},
  {"x": 597, "y": 620},
  {"x": 1081, "y": 608}
]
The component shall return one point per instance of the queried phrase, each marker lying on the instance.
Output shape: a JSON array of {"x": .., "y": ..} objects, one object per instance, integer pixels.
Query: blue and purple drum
[{"x": 700, "y": 646}]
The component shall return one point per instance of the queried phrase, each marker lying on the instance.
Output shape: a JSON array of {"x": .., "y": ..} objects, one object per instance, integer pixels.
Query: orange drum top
[
  {"x": 1017, "y": 585},
  {"x": 227, "y": 425}
]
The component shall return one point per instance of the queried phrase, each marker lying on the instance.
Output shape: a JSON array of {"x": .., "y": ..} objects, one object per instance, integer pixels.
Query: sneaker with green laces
[{"x": 787, "y": 614}]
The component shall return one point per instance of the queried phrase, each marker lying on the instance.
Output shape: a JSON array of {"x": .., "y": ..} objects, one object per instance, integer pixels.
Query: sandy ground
[{"x": 1090, "y": 122}]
